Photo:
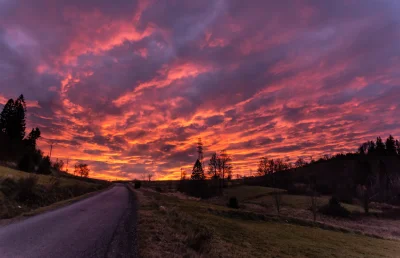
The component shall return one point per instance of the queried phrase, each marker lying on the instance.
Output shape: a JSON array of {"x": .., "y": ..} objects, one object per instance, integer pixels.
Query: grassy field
[
  {"x": 21, "y": 192},
  {"x": 172, "y": 227},
  {"x": 244, "y": 192}
]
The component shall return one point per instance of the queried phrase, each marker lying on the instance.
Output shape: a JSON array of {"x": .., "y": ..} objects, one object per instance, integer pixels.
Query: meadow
[{"x": 178, "y": 227}]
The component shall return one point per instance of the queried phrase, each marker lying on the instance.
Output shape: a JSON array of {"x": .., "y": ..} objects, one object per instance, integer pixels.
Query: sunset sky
[{"x": 128, "y": 86}]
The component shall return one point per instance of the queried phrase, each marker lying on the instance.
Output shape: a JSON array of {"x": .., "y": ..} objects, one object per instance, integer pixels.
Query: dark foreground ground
[{"x": 101, "y": 226}]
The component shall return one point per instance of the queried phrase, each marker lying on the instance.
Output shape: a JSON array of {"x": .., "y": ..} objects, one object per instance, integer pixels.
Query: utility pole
[{"x": 51, "y": 149}]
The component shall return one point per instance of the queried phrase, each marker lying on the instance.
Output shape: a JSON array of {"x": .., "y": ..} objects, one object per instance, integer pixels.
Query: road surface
[{"x": 100, "y": 226}]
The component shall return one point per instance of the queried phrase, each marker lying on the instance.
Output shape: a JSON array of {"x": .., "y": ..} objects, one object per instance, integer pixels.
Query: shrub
[
  {"x": 8, "y": 186},
  {"x": 199, "y": 188},
  {"x": 26, "y": 188},
  {"x": 233, "y": 203},
  {"x": 26, "y": 163},
  {"x": 199, "y": 239},
  {"x": 138, "y": 184},
  {"x": 45, "y": 166},
  {"x": 298, "y": 189},
  {"x": 158, "y": 189},
  {"x": 335, "y": 209}
]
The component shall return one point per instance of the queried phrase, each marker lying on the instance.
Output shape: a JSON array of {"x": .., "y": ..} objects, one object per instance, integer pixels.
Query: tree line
[
  {"x": 20, "y": 148},
  {"x": 219, "y": 165}
]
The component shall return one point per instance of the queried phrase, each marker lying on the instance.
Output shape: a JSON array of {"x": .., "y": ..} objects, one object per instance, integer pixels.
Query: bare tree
[
  {"x": 300, "y": 162},
  {"x": 263, "y": 166},
  {"x": 149, "y": 176},
  {"x": 314, "y": 205},
  {"x": 213, "y": 166},
  {"x": 277, "y": 195},
  {"x": 224, "y": 166},
  {"x": 82, "y": 170},
  {"x": 59, "y": 165}
]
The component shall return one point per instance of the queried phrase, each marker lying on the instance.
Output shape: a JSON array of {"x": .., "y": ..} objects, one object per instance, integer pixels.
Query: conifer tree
[{"x": 197, "y": 172}]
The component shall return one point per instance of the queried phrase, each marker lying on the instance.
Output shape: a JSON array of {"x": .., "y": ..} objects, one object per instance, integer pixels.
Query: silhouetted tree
[
  {"x": 20, "y": 113},
  {"x": 33, "y": 136},
  {"x": 225, "y": 166},
  {"x": 149, "y": 176},
  {"x": 300, "y": 162},
  {"x": 398, "y": 147},
  {"x": 371, "y": 148},
  {"x": 263, "y": 166},
  {"x": 213, "y": 166},
  {"x": 197, "y": 172},
  {"x": 82, "y": 170},
  {"x": 365, "y": 179},
  {"x": 59, "y": 165},
  {"x": 380, "y": 147},
  {"x": 391, "y": 146},
  {"x": 12, "y": 119},
  {"x": 280, "y": 165},
  {"x": 45, "y": 166},
  {"x": 6, "y": 117}
]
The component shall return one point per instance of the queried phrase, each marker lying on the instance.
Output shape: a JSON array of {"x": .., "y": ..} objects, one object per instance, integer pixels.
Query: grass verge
[
  {"x": 172, "y": 227},
  {"x": 26, "y": 193}
]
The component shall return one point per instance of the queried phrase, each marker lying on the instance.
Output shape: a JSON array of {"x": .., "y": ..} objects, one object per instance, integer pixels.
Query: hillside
[{"x": 22, "y": 192}]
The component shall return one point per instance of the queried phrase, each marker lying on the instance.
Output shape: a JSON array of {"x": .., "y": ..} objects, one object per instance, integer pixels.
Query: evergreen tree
[
  {"x": 391, "y": 146},
  {"x": 371, "y": 147},
  {"x": 12, "y": 119},
  {"x": 380, "y": 146},
  {"x": 6, "y": 116},
  {"x": 33, "y": 136},
  {"x": 197, "y": 172},
  {"x": 19, "y": 122}
]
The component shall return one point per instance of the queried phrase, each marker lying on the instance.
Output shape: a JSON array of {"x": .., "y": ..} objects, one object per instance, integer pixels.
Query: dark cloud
[{"x": 129, "y": 86}]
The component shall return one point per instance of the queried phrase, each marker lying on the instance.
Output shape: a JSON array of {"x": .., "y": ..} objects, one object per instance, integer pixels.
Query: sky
[{"x": 129, "y": 86}]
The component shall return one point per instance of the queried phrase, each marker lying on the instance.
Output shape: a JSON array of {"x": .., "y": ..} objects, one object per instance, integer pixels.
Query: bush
[
  {"x": 233, "y": 203},
  {"x": 26, "y": 188},
  {"x": 26, "y": 163},
  {"x": 8, "y": 186},
  {"x": 199, "y": 188},
  {"x": 335, "y": 209},
  {"x": 158, "y": 189},
  {"x": 138, "y": 184},
  {"x": 45, "y": 166},
  {"x": 298, "y": 189}
]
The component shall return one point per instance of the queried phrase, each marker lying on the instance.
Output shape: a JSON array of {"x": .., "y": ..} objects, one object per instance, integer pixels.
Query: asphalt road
[{"x": 100, "y": 226}]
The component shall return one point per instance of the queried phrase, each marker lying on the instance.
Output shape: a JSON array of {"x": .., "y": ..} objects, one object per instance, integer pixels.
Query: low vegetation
[
  {"x": 173, "y": 227},
  {"x": 22, "y": 192}
]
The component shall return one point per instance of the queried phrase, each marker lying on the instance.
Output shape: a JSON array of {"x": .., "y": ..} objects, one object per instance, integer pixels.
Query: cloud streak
[{"x": 129, "y": 86}]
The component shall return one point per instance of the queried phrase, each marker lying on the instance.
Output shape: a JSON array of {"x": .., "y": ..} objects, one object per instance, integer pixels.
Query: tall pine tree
[
  {"x": 12, "y": 119},
  {"x": 197, "y": 172},
  {"x": 6, "y": 116},
  {"x": 380, "y": 147},
  {"x": 391, "y": 146},
  {"x": 20, "y": 115}
]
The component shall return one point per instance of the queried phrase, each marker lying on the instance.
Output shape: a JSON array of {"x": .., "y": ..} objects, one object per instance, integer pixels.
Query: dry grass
[
  {"x": 172, "y": 227},
  {"x": 260, "y": 200},
  {"x": 43, "y": 179},
  {"x": 45, "y": 191}
]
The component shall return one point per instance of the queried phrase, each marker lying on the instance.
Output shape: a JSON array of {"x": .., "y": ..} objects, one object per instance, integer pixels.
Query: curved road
[{"x": 100, "y": 226}]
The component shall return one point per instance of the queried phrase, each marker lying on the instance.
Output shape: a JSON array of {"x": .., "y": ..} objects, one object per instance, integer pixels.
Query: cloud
[{"x": 129, "y": 86}]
